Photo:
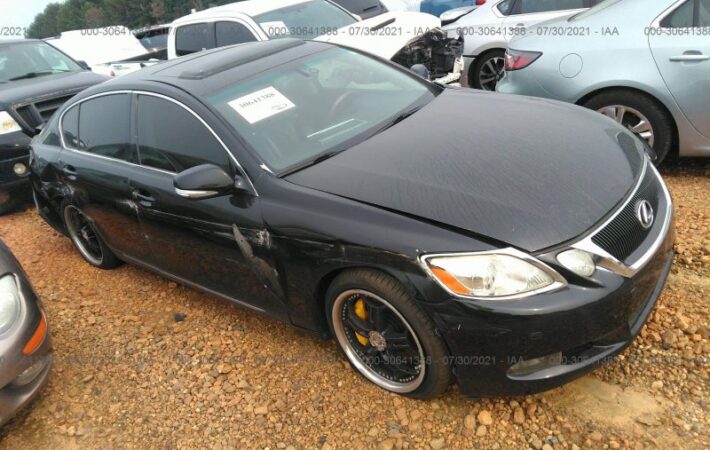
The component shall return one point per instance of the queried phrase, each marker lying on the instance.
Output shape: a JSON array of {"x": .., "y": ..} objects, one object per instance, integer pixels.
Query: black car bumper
[
  {"x": 572, "y": 330},
  {"x": 14, "y": 149}
]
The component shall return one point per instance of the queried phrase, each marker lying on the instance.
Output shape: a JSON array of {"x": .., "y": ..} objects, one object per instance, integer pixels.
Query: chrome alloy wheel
[
  {"x": 631, "y": 119},
  {"x": 83, "y": 235},
  {"x": 491, "y": 73},
  {"x": 378, "y": 341}
]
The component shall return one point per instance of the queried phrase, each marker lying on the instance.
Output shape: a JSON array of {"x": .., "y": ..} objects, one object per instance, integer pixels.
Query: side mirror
[
  {"x": 84, "y": 65},
  {"x": 204, "y": 181}
]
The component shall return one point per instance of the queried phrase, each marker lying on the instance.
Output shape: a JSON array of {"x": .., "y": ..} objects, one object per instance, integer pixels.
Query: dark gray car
[{"x": 25, "y": 356}]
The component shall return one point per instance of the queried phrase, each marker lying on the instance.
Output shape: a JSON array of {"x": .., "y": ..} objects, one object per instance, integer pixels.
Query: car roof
[
  {"x": 229, "y": 64},
  {"x": 250, "y": 8}
]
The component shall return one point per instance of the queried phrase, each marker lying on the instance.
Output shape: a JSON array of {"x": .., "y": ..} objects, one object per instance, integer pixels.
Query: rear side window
[
  {"x": 70, "y": 127},
  {"x": 170, "y": 138},
  {"x": 230, "y": 33},
  {"x": 194, "y": 38},
  {"x": 540, "y": 6},
  {"x": 704, "y": 13},
  {"x": 105, "y": 127},
  {"x": 506, "y": 7}
]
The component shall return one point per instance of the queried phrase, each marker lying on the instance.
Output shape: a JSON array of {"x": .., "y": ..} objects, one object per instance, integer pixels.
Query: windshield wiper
[
  {"x": 398, "y": 119},
  {"x": 37, "y": 74}
]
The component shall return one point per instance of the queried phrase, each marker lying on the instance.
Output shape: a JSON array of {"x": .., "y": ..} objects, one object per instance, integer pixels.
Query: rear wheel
[
  {"x": 386, "y": 336},
  {"x": 487, "y": 70},
  {"x": 640, "y": 114},
  {"x": 86, "y": 239}
]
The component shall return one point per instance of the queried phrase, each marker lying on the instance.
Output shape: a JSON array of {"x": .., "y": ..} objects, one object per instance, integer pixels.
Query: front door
[
  {"x": 681, "y": 49},
  {"x": 218, "y": 244}
]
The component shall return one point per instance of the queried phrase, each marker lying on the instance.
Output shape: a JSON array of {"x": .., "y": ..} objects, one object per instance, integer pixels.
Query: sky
[{"x": 20, "y": 13}]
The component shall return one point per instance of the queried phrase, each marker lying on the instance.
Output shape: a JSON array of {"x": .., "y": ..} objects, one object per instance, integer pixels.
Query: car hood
[
  {"x": 31, "y": 89},
  {"x": 386, "y": 34},
  {"x": 527, "y": 172}
]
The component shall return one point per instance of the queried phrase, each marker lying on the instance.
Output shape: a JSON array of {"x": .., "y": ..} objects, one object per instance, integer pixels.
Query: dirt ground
[{"x": 127, "y": 375}]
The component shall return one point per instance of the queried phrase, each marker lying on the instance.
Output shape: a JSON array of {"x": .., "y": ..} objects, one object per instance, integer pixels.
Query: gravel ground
[{"x": 129, "y": 375}]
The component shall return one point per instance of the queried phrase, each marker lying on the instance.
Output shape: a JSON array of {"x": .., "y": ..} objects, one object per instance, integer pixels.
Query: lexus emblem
[{"x": 644, "y": 213}]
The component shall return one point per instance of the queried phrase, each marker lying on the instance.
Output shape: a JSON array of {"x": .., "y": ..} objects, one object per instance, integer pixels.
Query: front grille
[
  {"x": 624, "y": 234},
  {"x": 34, "y": 115}
]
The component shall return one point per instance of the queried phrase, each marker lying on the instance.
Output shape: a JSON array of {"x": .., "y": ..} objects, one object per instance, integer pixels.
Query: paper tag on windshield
[
  {"x": 261, "y": 105},
  {"x": 275, "y": 29}
]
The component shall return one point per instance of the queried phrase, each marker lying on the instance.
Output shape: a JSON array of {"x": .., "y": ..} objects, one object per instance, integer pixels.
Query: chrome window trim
[
  {"x": 152, "y": 94},
  {"x": 558, "y": 281},
  {"x": 667, "y": 12},
  {"x": 609, "y": 262}
]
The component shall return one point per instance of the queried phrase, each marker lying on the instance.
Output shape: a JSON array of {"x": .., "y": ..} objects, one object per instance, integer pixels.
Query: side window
[
  {"x": 70, "y": 127},
  {"x": 105, "y": 127},
  {"x": 506, "y": 7},
  {"x": 704, "y": 13},
  {"x": 682, "y": 17},
  {"x": 539, "y": 6},
  {"x": 171, "y": 138},
  {"x": 194, "y": 38},
  {"x": 230, "y": 33}
]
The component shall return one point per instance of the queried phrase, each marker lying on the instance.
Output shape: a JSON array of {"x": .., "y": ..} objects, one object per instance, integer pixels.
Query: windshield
[
  {"x": 305, "y": 20},
  {"x": 317, "y": 105},
  {"x": 154, "y": 39},
  {"x": 595, "y": 9},
  {"x": 28, "y": 60}
]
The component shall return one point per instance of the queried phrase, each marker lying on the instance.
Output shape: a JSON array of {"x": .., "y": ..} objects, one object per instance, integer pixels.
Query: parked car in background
[
  {"x": 25, "y": 348},
  {"x": 364, "y": 9},
  {"x": 347, "y": 196},
  {"x": 409, "y": 39},
  {"x": 488, "y": 29},
  {"x": 648, "y": 68},
  {"x": 435, "y": 7},
  {"x": 35, "y": 80}
]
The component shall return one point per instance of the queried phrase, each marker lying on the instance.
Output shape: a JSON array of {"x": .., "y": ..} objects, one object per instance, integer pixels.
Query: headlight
[
  {"x": 578, "y": 261},
  {"x": 8, "y": 124},
  {"x": 492, "y": 275},
  {"x": 9, "y": 302}
]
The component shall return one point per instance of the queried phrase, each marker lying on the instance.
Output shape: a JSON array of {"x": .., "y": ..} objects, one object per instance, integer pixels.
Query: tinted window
[
  {"x": 170, "y": 138},
  {"x": 104, "y": 127},
  {"x": 704, "y": 13},
  {"x": 230, "y": 33},
  {"x": 193, "y": 38},
  {"x": 538, "y": 6},
  {"x": 682, "y": 17},
  {"x": 70, "y": 127}
]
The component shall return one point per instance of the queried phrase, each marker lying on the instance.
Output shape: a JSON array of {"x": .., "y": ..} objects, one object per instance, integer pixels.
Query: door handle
[
  {"x": 68, "y": 169},
  {"x": 142, "y": 197},
  {"x": 690, "y": 56}
]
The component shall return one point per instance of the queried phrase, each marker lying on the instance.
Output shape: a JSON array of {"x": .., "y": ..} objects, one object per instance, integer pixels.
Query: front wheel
[
  {"x": 386, "y": 336},
  {"x": 86, "y": 239},
  {"x": 640, "y": 114}
]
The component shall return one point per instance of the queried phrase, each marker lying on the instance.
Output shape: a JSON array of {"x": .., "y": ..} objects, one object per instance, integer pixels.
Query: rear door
[
  {"x": 96, "y": 162},
  {"x": 681, "y": 48}
]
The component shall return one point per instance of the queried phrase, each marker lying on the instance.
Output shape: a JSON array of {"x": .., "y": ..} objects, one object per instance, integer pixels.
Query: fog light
[
  {"x": 529, "y": 366},
  {"x": 19, "y": 169},
  {"x": 31, "y": 373},
  {"x": 578, "y": 261}
]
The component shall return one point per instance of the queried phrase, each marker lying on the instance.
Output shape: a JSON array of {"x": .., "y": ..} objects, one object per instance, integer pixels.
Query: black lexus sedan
[
  {"x": 25, "y": 349},
  {"x": 347, "y": 196},
  {"x": 35, "y": 80}
]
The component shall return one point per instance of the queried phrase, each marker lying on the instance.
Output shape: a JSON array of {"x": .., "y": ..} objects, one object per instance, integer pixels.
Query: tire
[
  {"x": 493, "y": 62},
  {"x": 7, "y": 203},
  {"x": 86, "y": 239},
  {"x": 407, "y": 332},
  {"x": 661, "y": 123}
]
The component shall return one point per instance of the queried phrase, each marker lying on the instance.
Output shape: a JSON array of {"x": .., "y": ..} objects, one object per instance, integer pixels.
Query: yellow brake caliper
[{"x": 361, "y": 312}]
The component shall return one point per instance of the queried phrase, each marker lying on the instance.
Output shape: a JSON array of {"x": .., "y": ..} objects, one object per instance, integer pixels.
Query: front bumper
[
  {"x": 14, "y": 398},
  {"x": 585, "y": 325},
  {"x": 14, "y": 148}
]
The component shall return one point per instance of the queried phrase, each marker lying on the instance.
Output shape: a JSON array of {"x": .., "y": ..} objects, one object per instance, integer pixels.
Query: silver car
[{"x": 644, "y": 63}]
